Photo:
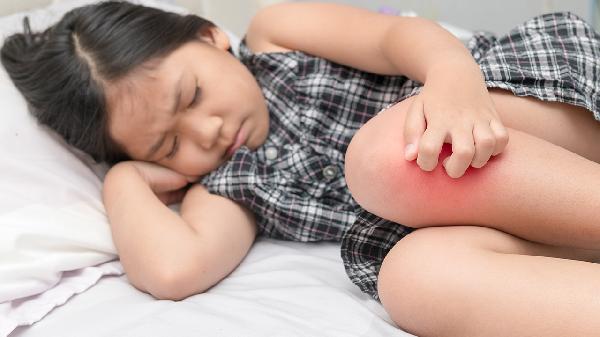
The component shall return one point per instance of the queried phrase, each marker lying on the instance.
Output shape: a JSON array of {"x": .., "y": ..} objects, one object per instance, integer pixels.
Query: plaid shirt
[{"x": 294, "y": 183}]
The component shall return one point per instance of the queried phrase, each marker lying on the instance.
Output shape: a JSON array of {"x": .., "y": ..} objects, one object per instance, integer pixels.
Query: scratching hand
[{"x": 465, "y": 117}]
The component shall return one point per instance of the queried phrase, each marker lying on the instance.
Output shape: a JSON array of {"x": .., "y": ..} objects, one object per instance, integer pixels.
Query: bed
[
  {"x": 280, "y": 289},
  {"x": 60, "y": 275}
]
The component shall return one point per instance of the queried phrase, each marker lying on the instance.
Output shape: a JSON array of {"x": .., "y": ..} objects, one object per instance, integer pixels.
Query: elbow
[
  {"x": 171, "y": 282},
  {"x": 175, "y": 286}
]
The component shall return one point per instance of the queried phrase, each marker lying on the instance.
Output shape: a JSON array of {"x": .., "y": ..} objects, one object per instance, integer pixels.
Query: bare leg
[
  {"x": 535, "y": 190},
  {"x": 476, "y": 281},
  {"x": 571, "y": 127}
]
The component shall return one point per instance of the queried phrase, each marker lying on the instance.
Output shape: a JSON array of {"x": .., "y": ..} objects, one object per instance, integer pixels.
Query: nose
[{"x": 205, "y": 131}]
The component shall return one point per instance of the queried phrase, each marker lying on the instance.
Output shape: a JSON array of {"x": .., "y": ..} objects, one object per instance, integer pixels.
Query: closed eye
[
  {"x": 174, "y": 149},
  {"x": 195, "y": 98}
]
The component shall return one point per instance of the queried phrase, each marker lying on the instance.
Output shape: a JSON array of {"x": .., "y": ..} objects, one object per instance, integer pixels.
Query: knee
[
  {"x": 362, "y": 167},
  {"x": 374, "y": 165},
  {"x": 379, "y": 177},
  {"x": 422, "y": 278},
  {"x": 386, "y": 184}
]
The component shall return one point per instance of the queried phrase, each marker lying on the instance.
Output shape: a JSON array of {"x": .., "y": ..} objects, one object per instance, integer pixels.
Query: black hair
[{"x": 62, "y": 71}]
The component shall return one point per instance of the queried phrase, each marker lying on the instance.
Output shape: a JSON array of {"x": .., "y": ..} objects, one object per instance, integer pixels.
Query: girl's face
[{"x": 190, "y": 110}]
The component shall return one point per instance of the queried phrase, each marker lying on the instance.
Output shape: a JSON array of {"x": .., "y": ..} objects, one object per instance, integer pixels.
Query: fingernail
[{"x": 409, "y": 151}]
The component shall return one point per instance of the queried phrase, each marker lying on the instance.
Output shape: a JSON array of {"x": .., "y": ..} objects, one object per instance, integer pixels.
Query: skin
[
  {"x": 140, "y": 105},
  {"x": 175, "y": 256},
  {"x": 172, "y": 256},
  {"x": 205, "y": 123},
  {"x": 531, "y": 263}
]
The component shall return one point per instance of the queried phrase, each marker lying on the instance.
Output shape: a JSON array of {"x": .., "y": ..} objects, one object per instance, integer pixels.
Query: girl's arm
[
  {"x": 454, "y": 106},
  {"x": 164, "y": 254},
  {"x": 373, "y": 42}
]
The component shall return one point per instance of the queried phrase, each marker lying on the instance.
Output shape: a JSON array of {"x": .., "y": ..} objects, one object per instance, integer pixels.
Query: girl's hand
[
  {"x": 168, "y": 185},
  {"x": 457, "y": 111}
]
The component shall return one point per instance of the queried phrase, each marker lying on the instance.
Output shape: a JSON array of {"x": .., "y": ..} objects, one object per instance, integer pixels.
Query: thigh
[
  {"x": 527, "y": 184},
  {"x": 436, "y": 277},
  {"x": 565, "y": 125}
]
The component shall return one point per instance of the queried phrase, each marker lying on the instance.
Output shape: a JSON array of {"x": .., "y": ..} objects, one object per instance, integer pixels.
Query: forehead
[
  {"x": 136, "y": 103},
  {"x": 150, "y": 83}
]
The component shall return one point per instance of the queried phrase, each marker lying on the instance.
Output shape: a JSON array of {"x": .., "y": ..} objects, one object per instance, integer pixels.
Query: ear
[{"x": 216, "y": 37}]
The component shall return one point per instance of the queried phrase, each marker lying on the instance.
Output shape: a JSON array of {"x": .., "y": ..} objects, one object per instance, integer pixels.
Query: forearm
[
  {"x": 362, "y": 39},
  {"x": 227, "y": 231},
  {"x": 150, "y": 238},
  {"x": 420, "y": 48}
]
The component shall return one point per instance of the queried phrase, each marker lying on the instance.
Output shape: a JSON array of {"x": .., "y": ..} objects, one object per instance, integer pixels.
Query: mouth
[{"x": 240, "y": 138}]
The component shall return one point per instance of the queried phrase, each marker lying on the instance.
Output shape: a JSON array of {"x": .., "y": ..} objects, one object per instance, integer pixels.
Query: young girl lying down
[{"x": 478, "y": 237}]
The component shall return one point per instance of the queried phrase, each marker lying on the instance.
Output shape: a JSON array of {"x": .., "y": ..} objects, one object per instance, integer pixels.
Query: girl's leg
[
  {"x": 535, "y": 190},
  {"x": 571, "y": 127},
  {"x": 476, "y": 281}
]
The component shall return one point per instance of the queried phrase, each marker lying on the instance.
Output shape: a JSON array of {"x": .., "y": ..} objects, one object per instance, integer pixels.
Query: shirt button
[
  {"x": 329, "y": 172},
  {"x": 271, "y": 153}
]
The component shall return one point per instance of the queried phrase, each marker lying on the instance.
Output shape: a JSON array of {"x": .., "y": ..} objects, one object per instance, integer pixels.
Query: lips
[{"x": 240, "y": 138}]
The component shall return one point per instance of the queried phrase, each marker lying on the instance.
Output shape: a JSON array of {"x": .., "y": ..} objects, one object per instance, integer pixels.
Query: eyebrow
[{"x": 161, "y": 140}]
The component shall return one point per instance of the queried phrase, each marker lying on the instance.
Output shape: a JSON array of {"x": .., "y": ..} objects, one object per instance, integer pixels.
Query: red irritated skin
[
  {"x": 386, "y": 184},
  {"x": 534, "y": 189},
  {"x": 436, "y": 197}
]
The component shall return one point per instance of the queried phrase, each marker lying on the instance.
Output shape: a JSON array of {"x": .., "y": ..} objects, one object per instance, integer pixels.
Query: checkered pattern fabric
[
  {"x": 554, "y": 57},
  {"x": 294, "y": 183}
]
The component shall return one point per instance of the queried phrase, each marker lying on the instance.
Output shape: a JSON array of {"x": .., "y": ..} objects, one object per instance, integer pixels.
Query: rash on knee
[{"x": 384, "y": 183}]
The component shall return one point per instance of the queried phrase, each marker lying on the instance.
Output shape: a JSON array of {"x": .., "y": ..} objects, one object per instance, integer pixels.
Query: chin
[{"x": 261, "y": 138}]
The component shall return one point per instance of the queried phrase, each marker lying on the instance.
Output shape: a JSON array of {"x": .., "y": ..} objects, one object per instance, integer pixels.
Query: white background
[{"x": 494, "y": 16}]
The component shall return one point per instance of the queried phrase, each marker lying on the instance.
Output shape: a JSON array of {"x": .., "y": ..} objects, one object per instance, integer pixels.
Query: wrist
[{"x": 453, "y": 66}]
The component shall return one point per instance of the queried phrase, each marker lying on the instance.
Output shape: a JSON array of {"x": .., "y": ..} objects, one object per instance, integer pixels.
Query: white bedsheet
[{"x": 283, "y": 289}]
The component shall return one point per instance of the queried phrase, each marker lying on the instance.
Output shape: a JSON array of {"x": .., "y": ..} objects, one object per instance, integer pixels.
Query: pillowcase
[{"x": 50, "y": 203}]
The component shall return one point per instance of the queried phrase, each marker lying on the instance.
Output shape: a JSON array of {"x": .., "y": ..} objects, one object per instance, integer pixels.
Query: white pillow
[{"x": 55, "y": 240}]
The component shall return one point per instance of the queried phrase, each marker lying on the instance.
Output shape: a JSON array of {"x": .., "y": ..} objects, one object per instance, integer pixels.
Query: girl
[{"x": 264, "y": 140}]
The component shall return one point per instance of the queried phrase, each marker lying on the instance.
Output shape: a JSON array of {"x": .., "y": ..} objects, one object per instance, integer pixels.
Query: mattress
[{"x": 283, "y": 289}]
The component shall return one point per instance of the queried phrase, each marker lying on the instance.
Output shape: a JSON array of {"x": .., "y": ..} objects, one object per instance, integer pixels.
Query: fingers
[
  {"x": 414, "y": 127},
  {"x": 472, "y": 145},
  {"x": 490, "y": 139},
  {"x": 475, "y": 149},
  {"x": 501, "y": 136},
  {"x": 463, "y": 151},
  {"x": 430, "y": 147},
  {"x": 485, "y": 144}
]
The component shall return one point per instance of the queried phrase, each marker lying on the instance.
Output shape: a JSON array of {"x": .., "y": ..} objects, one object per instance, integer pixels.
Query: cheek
[{"x": 191, "y": 161}]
